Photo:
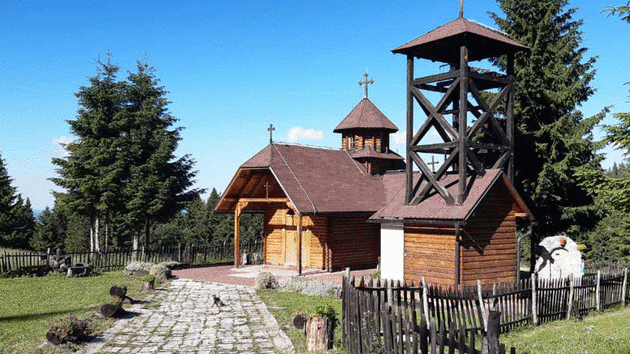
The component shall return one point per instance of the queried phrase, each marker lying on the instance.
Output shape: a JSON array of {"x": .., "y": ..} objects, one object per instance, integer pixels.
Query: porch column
[
  {"x": 237, "y": 232},
  {"x": 299, "y": 244}
]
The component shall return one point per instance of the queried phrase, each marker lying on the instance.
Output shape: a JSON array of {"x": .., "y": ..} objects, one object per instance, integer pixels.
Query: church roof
[
  {"x": 434, "y": 208},
  {"x": 365, "y": 115},
  {"x": 443, "y": 43},
  {"x": 369, "y": 152},
  {"x": 316, "y": 180}
]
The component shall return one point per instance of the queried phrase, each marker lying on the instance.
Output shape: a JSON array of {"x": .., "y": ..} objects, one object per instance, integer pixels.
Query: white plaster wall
[{"x": 392, "y": 251}]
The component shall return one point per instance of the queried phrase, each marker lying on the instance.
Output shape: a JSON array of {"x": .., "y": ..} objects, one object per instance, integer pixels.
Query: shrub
[
  {"x": 69, "y": 328},
  {"x": 329, "y": 312},
  {"x": 308, "y": 287},
  {"x": 265, "y": 280}
]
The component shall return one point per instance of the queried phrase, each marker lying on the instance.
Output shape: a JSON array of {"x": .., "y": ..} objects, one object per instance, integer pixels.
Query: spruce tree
[
  {"x": 552, "y": 137},
  {"x": 16, "y": 216},
  {"x": 93, "y": 171},
  {"x": 158, "y": 183}
]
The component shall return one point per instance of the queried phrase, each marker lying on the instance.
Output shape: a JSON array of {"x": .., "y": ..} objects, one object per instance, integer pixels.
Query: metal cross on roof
[
  {"x": 432, "y": 163},
  {"x": 270, "y": 130},
  {"x": 461, "y": 8},
  {"x": 366, "y": 82},
  {"x": 267, "y": 186}
]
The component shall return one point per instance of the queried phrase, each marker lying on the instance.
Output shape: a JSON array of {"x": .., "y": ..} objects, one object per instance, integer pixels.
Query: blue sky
[{"x": 234, "y": 67}]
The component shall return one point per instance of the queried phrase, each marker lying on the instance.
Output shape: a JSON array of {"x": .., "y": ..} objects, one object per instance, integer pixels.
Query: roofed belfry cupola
[
  {"x": 478, "y": 137},
  {"x": 365, "y": 135}
]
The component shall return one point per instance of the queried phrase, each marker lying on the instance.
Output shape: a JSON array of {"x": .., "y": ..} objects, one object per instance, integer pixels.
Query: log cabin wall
[
  {"x": 353, "y": 242},
  {"x": 430, "y": 253},
  {"x": 275, "y": 216},
  {"x": 315, "y": 252},
  {"x": 488, "y": 241}
]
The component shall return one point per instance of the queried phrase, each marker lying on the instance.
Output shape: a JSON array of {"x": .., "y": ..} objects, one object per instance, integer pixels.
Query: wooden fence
[
  {"x": 112, "y": 259},
  {"x": 379, "y": 314},
  {"x": 391, "y": 319}
]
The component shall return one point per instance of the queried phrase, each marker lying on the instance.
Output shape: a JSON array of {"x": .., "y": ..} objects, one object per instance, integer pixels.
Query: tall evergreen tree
[
  {"x": 93, "y": 171},
  {"x": 158, "y": 184},
  {"x": 552, "y": 137},
  {"x": 16, "y": 216},
  {"x": 50, "y": 231}
]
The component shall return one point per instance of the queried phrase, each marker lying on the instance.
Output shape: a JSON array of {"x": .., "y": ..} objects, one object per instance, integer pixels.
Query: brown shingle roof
[
  {"x": 320, "y": 180},
  {"x": 435, "y": 208},
  {"x": 365, "y": 115},
  {"x": 369, "y": 152},
  {"x": 443, "y": 43}
]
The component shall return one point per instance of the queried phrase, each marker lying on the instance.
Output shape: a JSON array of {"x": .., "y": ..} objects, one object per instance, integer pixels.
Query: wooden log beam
[
  {"x": 409, "y": 167},
  {"x": 437, "y": 175},
  {"x": 463, "y": 124},
  {"x": 431, "y": 179},
  {"x": 435, "y": 78}
]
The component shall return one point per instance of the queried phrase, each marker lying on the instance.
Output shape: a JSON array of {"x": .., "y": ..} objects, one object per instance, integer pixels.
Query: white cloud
[
  {"x": 59, "y": 143},
  {"x": 400, "y": 137},
  {"x": 297, "y": 134}
]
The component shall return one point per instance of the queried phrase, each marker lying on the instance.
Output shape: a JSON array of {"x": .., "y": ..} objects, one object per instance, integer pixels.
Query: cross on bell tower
[
  {"x": 488, "y": 142},
  {"x": 366, "y": 82}
]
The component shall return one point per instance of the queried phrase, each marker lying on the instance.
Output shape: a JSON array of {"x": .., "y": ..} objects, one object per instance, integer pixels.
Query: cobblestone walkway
[{"x": 186, "y": 322}]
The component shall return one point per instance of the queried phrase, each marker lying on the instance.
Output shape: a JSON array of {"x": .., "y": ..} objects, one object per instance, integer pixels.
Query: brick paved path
[{"x": 186, "y": 322}]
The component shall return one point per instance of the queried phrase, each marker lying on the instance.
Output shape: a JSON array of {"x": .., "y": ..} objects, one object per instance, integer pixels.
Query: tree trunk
[
  {"x": 319, "y": 334},
  {"x": 136, "y": 237}
]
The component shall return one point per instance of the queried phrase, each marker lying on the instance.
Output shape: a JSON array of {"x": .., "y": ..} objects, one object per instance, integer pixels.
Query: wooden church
[
  {"x": 332, "y": 209},
  {"x": 316, "y": 201}
]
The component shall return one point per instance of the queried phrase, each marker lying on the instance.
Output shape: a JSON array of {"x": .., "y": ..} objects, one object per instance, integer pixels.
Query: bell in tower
[{"x": 478, "y": 137}]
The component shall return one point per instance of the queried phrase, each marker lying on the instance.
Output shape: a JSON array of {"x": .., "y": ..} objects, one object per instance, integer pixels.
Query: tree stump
[
  {"x": 120, "y": 293},
  {"x": 147, "y": 285},
  {"x": 319, "y": 335},
  {"x": 53, "y": 337},
  {"x": 112, "y": 309}
]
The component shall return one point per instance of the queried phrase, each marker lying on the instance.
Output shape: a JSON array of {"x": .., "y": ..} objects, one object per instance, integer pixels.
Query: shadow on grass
[{"x": 38, "y": 316}]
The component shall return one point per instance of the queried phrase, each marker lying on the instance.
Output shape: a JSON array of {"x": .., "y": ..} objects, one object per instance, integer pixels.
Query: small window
[{"x": 351, "y": 144}]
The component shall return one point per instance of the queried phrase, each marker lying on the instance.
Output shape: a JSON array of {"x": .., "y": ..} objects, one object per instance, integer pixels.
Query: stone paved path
[{"x": 186, "y": 322}]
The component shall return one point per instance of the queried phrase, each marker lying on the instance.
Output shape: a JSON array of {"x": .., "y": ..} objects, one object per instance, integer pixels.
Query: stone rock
[{"x": 559, "y": 257}]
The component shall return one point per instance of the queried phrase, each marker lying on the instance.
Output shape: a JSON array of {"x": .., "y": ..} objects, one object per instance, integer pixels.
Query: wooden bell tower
[{"x": 469, "y": 149}]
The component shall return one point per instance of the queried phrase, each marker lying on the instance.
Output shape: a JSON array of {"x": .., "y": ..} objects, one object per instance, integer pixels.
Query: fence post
[
  {"x": 4, "y": 262},
  {"x": 425, "y": 301},
  {"x": 490, "y": 344},
  {"x": 534, "y": 305},
  {"x": 570, "y": 304},
  {"x": 484, "y": 312},
  {"x": 624, "y": 286},
  {"x": 597, "y": 288}
]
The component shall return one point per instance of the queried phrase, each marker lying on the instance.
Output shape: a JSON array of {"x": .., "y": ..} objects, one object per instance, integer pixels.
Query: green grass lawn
[
  {"x": 283, "y": 305},
  {"x": 606, "y": 332},
  {"x": 28, "y": 304}
]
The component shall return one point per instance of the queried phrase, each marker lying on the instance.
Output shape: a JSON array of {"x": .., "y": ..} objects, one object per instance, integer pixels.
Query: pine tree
[
  {"x": 94, "y": 170},
  {"x": 552, "y": 137},
  {"x": 158, "y": 184},
  {"x": 16, "y": 216},
  {"x": 50, "y": 231}
]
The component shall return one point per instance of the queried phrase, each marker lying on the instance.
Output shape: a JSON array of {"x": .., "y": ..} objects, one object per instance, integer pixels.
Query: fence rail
[
  {"x": 118, "y": 258},
  {"x": 391, "y": 319},
  {"x": 379, "y": 314}
]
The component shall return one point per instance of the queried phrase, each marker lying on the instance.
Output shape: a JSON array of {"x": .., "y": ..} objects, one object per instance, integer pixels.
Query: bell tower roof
[
  {"x": 442, "y": 44},
  {"x": 365, "y": 115}
]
